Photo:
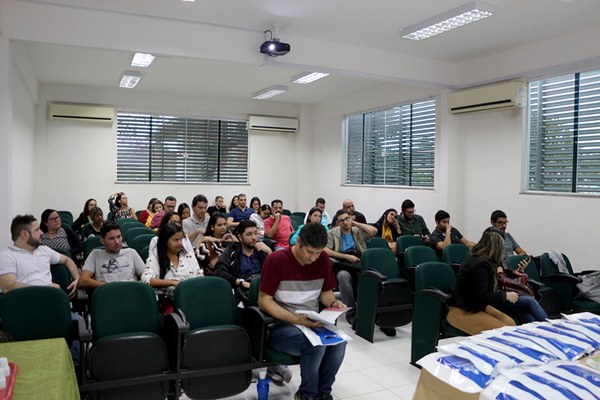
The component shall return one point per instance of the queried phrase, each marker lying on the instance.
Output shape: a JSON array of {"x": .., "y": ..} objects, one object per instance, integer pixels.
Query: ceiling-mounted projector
[{"x": 272, "y": 47}]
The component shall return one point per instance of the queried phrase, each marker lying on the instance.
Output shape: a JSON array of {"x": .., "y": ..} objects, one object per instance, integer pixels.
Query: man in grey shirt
[
  {"x": 113, "y": 263},
  {"x": 195, "y": 226},
  {"x": 499, "y": 220}
]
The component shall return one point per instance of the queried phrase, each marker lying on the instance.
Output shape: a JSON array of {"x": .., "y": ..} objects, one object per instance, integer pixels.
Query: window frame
[
  {"x": 435, "y": 143},
  {"x": 183, "y": 137}
]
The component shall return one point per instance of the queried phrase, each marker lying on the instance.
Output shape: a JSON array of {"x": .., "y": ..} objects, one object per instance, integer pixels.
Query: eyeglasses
[
  {"x": 53, "y": 219},
  {"x": 340, "y": 220},
  {"x": 501, "y": 223}
]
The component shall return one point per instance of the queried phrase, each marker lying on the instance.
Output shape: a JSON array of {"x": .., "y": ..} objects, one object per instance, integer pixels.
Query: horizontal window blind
[
  {"x": 564, "y": 133},
  {"x": 159, "y": 148},
  {"x": 392, "y": 147}
]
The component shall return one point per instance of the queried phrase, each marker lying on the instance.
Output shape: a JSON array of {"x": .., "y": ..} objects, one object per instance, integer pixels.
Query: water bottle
[{"x": 262, "y": 387}]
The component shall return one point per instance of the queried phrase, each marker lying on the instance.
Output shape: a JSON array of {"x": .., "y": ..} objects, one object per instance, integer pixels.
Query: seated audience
[
  {"x": 58, "y": 237},
  {"x": 169, "y": 218},
  {"x": 477, "y": 304},
  {"x": 113, "y": 263},
  {"x": 411, "y": 223},
  {"x": 93, "y": 228},
  {"x": 259, "y": 219},
  {"x": 144, "y": 214},
  {"x": 348, "y": 205},
  {"x": 184, "y": 211},
  {"x": 345, "y": 243},
  {"x": 240, "y": 213},
  {"x": 314, "y": 215},
  {"x": 84, "y": 217},
  {"x": 388, "y": 227},
  {"x": 213, "y": 243},
  {"x": 219, "y": 206},
  {"x": 444, "y": 234},
  {"x": 306, "y": 269},
  {"x": 123, "y": 209},
  {"x": 234, "y": 203},
  {"x": 195, "y": 226},
  {"x": 499, "y": 220},
  {"x": 169, "y": 265},
  {"x": 325, "y": 218},
  {"x": 155, "y": 208},
  {"x": 279, "y": 227},
  {"x": 27, "y": 263},
  {"x": 255, "y": 204}
]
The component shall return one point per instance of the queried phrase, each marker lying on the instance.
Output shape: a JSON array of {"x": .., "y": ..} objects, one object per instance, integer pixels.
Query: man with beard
[
  {"x": 26, "y": 263},
  {"x": 499, "y": 220},
  {"x": 411, "y": 223}
]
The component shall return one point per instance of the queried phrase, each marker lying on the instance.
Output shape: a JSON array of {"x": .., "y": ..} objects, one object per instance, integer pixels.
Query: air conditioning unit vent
[
  {"x": 498, "y": 96},
  {"x": 273, "y": 124},
  {"x": 81, "y": 112}
]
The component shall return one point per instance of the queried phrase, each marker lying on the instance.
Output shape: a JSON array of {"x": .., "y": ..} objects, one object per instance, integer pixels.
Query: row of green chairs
[{"x": 132, "y": 351}]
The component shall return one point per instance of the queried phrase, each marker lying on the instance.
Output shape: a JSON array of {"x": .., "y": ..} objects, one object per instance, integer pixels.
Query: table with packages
[{"x": 45, "y": 369}]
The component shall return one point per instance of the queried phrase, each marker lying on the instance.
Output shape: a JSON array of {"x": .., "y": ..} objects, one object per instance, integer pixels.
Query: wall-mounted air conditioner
[
  {"x": 273, "y": 124},
  {"x": 81, "y": 112},
  {"x": 498, "y": 96}
]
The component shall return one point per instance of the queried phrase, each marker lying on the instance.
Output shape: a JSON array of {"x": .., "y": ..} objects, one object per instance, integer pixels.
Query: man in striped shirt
[{"x": 298, "y": 278}]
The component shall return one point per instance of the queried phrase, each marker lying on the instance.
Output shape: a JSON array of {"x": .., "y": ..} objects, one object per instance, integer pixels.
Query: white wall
[{"x": 77, "y": 160}]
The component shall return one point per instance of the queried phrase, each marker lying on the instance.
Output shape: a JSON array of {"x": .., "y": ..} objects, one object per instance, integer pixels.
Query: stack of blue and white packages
[{"x": 532, "y": 361}]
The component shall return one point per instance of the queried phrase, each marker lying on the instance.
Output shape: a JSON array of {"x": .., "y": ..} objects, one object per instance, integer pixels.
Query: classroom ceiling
[{"x": 373, "y": 24}]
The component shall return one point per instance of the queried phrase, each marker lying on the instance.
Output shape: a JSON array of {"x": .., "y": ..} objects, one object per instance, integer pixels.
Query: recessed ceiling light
[
  {"x": 269, "y": 92},
  {"x": 130, "y": 79},
  {"x": 455, "y": 18},
  {"x": 142, "y": 60},
  {"x": 308, "y": 77}
]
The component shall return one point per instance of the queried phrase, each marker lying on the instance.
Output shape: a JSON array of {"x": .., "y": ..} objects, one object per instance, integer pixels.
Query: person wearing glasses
[
  {"x": 345, "y": 243},
  {"x": 500, "y": 221}
]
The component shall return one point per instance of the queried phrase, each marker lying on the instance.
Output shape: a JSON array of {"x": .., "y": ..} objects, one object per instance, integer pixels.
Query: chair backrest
[
  {"x": 66, "y": 217},
  {"x": 91, "y": 243},
  {"x": 287, "y": 212},
  {"x": 455, "y": 253},
  {"x": 124, "y": 307},
  {"x": 295, "y": 224},
  {"x": 61, "y": 275},
  {"x": 145, "y": 253},
  {"x": 297, "y": 219},
  {"x": 132, "y": 233},
  {"x": 434, "y": 274},
  {"x": 377, "y": 242},
  {"x": 36, "y": 312},
  {"x": 406, "y": 241},
  {"x": 416, "y": 255},
  {"x": 382, "y": 260},
  {"x": 530, "y": 269},
  {"x": 129, "y": 221},
  {"x": 206, "y": 301},
  {"x": 549, "y": 268},
  {"x": 141, "y": 241},
  {"x": 300, "y": 214},
  {"x": 253, "y": 292}
]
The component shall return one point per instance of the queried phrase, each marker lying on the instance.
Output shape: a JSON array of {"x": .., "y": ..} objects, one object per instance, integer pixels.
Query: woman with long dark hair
[
  {"x": 85, "y": 216},
  {"x": 388, "y": 227},
  {"x": 170, "y": 263},
  {"x": 58, "y": 237},
  {"x": 478, "y": 304},
  {"x": 184, "y": 211},
  {"x": 213, "y": 243}
]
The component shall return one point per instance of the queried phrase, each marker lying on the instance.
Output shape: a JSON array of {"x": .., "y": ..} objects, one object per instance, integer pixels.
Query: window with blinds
[
  {"x": 160, "y": 148},
  {"x": 564, "y": 133},
  {"x": 392, "y": 147}
]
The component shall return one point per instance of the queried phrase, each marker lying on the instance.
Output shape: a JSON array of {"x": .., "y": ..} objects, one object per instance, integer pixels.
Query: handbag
[{"x": 514, "y": 281}]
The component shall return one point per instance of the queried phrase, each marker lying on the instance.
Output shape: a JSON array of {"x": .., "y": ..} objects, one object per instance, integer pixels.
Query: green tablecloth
[{"x": 45, "y": 369}]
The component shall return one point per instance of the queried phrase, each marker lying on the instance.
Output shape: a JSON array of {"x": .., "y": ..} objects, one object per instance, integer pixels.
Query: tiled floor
[{"x": 371, "y": 371}]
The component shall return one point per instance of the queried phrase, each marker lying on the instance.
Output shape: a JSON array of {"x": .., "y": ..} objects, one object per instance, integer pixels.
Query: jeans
[
  {"x": 318, "y": 364},
  {"x": 344, "y": 280},
  {"x": 526, "y": 308}
]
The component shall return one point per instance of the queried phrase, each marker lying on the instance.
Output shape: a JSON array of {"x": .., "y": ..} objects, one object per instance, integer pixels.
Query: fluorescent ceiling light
[
  {"x": 142, "y": 60},
  {"x": 308, "y": 77},
  {"x": 269, "y": 92},
  {"x": 130, "y": 79},
  {"x": 463, "y": 15}
]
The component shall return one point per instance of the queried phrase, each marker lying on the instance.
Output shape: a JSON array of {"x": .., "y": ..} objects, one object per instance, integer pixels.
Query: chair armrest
[
  {"x": 455, "y": 267},
  {"x": 256, "y": 323},
  {"x": 585, "y": 272},
  {"x": 564, "y": 278},
  {"x": 82, "y": 332},
  {"x": 536, "y": 284},
  {"x": 437, "y": 294},
  {"x": 372, "y": 273}
]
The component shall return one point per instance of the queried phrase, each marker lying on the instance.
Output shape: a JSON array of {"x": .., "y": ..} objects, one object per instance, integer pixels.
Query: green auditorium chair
[
  {"x": 216, "y": 358},
  {"x": 433, "y": 284},
  {"x": 377, "y": 243},
  {"x": 141, "y": 241},
  {"x": 402, "y": 243},
  {"x": 415, "y": 255},
  {"x": 134, "y": 232},
  {"x": 566, "y": 286},
  {"x": 91, "y": 243},
  {"x": 134, "y": 353},
  {"x": 300, "y": 214},
  {"x": 66, "y": 217},
  {"x": 383, "y": 298},
  {"x": 455, "y": 254}
]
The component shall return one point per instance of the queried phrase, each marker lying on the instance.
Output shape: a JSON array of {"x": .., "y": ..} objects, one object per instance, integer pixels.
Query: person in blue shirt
[{"x": 240, "y": 213}]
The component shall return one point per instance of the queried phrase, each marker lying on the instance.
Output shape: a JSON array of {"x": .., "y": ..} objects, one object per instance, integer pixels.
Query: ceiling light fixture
[
  {"x": 463, "y": 15},
  {"x": 308, "y": 77},
  {"x": 269, "y": 92},
  {"x": 130, "y": 79},
  {"x": 142, "y": 60}
]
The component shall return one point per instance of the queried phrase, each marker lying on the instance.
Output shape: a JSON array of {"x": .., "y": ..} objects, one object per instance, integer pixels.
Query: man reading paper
[{"x": 298, "y": 278}]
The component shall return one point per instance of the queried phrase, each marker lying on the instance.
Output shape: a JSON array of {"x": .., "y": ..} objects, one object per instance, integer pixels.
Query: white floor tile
[{"x": 354, "y": 384}]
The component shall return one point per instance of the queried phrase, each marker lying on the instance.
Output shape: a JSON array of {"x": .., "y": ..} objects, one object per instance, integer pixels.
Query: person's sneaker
[
  {"x": 279, "y": 374},
  {"x": 388, "y": 331},
  {"x": 298, "y": 396},
  {"x": 324, "y": 396}
]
